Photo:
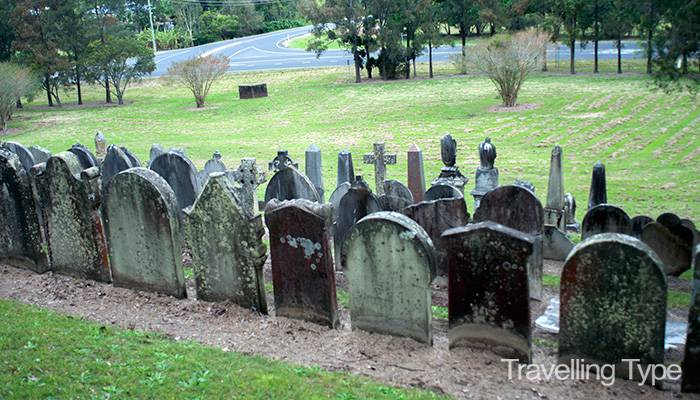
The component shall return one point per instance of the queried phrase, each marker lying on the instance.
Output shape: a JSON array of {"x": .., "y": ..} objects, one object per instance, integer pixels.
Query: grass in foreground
[{"x": 50, "y": 355}]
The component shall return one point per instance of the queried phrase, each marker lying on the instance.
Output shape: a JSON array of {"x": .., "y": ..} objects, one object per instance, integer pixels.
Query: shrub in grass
[{"x": 198, "y": 74}]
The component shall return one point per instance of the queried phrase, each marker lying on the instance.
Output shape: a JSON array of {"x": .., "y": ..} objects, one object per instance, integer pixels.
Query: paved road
[{"x": 266, "y": 51}]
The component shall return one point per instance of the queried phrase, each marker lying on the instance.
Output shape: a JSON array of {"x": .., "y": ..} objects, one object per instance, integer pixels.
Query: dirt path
[{"x": 461, "y": 372}]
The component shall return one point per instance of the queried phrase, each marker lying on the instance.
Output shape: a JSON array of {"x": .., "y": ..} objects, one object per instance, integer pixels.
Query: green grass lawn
[{"x": 647, "y": 139}]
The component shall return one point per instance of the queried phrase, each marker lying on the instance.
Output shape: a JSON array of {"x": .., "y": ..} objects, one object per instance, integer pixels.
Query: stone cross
[
  {"x": 100, "y": 144},
  {"x": 249, "y": 176},
  {"x": 281, "y": 161},
  {"x": 380, "y": 159}
]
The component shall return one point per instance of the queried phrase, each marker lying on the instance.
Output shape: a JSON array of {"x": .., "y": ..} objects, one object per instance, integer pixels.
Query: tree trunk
[
  {"x": 684, "y": 68},
  {"x": 358, "y": 61},
  {"x": 597, "y": 32},
  {"x": 430, "y": 58},
  {"x": 48, "y": 92},
  {"x": 571, "y": 61},
  {"x": 408, "y": 54},
  {"x": 649, "y": 50},
  {"x": 19, "y": 103},
  {"x": 77, "y": 83},
  {"x": 619, "y": 54},
  {"x": 382, "y": 56},
  {"x": 108, "y": 94}
]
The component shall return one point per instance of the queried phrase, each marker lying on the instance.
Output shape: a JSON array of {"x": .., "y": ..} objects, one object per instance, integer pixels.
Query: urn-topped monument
[
  {"x": 449, "y": 174},
  {"x": 486, "y": 174}
]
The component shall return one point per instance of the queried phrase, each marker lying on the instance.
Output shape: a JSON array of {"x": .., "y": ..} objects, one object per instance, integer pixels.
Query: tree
[
  {"x": 677, "y": 46},
  {"x": 117, "y": 62},
  {"x": 463, "y": 14},
  {"x": 508, "y": 60},
  {"x": 576, "y": 20},
  {"x": 15, "y": 82},
  {"x": 6, "y": 30},
  {"x": 198, "y": 74}
]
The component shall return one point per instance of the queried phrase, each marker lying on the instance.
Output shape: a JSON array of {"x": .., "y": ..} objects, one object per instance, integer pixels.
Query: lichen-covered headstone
[
  {"x": 613, "y": 304},
  {"x": 605, "y": 218},
  {"x": 142, "y": 229},
  {"x": 180, "y": 174},
  {"x": 435, "y": 217},
  {"x": 302, "y": 264},
  {"x": 691, "y": 362},
  {"x": 488, "y": 289},
  {"x": 20, "y": 232},
  {"x": 249, "y": 176},
  {"x": 25, "y": 156},
  {"x": 518, "y": 208},
  {"x": 70, "y": 210},
  {"x": 357, "y": 203},
  {"x": 225, "y": 242},
  {"x": 41, "y": 155},
  {"x": 100, "y": 144},
  {"x": 396, "y": 196},
  {"x": 388, "y": 258}
]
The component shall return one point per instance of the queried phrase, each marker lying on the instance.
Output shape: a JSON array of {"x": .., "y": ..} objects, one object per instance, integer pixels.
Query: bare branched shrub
[
  {"x": 198, "y": 74},
  {"x": 15, "y": 82},
  {"x": 508, "y": 60}
]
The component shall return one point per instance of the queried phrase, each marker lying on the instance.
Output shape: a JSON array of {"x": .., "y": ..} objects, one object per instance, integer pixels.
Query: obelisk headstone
[
  {"x": 599, "y": 191},
  {"x": 554, "y": 211},
  {"x": 314, "y": 169},
  {"x": 416, "y": 173}
]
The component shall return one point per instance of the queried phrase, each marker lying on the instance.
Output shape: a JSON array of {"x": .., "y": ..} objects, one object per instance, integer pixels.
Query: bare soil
[{"x": 476, "y": 372}]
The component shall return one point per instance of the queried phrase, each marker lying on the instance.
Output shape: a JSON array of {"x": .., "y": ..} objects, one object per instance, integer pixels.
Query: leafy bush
[
  {"x": 271, "y": 26},
  {"x": 199, "y": 73}
]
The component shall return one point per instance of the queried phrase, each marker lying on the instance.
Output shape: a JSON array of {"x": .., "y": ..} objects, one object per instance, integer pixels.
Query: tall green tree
[
  {"x": 616, "y": 22},
  {"x": 6, "y": 30},
  {"x": 677, "y": 46},
  {"x": 463, "y": 14},
  {"x": 576, "y": 19},
  {"x": 75, "y": 36},
  {"x": 648, "y": 17}
]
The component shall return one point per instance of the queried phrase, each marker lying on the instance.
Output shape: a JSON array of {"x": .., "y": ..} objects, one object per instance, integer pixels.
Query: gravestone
[
  {"x": 85, "y": 156},
  {"x": 554, "y": 210},
  {"x": 335, "y": 198},
  {"x": 674, "y": 224},
  {"x": 525, "y": 184},
  {"x": 416, "y": 173},
  {"x": 388, "y": 258},
  {"x": 691, "y": 225},
  {"x": 555, "y": 244},
  {"x": 674, "y": 252},
  {"x": 20, "y": 231},
  {"x": 599, "y": 191},
  {"x": 486, "y": 174},
  {"x": 314, "y": 169},
  {"x": 156, "y": 150},
  {"x": 605, "y": 218},
  {"x": 613, "y": 304},
  {"x": 346, "y": 172},
  {"x": 357, "y": 203},
  {"x": 213, "y": 165},
  {"x": 518, "y": 208},
  {"x": 396, "y": 196},
  {"x": 435, "y": 217},
  {"x": 142, "y": 229},
  {"x": 41, "y": 155},
  {"x": 281, "y": 161},
  {"x": 100, "y": 144},
  {"x": 380, "y": 159},
  {"x": 289, "y": 184},
  {"x": 488, "y": 289},
  {"x": 252, "y": 91},
  {"x": 442, "y": 191},
  {"x": 25, "y": 156},
  {"x": 570, "y": 212},
  {"x": 691, "y": 362},
  {"x": 73, "y": 228},
  {"x": 449, "y": 174},
  {"x": 249, "y": 176},
  {"x": 116, "y": 161},
  {"x": 180, "y": 174},
  {"x": 302, "y": 266},
  {"x": 225, "y": 242},
  {"x": 638, "y": 223}
]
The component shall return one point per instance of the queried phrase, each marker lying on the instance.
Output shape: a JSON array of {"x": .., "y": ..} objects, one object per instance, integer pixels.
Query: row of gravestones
[{"x": 375, "y": 254}]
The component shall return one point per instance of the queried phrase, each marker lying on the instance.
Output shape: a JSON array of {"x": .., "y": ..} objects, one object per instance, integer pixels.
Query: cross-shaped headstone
[
  {"x": 249, "y": 176},
  {"x": 281, "y": 161},
  {"x": 380, "y": 159}
]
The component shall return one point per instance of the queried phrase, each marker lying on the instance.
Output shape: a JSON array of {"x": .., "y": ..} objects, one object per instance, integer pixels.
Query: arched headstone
[
  {"x": 25, "y": 156},
  {"x": 142, "y": 229},
  {"x": 442, "y": 191},
  {"x": 180, "y": 174},
  {"x": 86, "y": 158},
  {"x": 115, "y": 162},
  {"x": 357, "y": 203},
  {"x": 289, "y": 184},
  {"x": 388, "y": 258},
  {"x": 691, "y": 362},
  {"x": 605, "y": 218}
]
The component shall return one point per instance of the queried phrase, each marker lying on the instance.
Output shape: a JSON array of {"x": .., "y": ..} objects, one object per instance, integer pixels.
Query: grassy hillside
[{"x": 647, "y": 139}]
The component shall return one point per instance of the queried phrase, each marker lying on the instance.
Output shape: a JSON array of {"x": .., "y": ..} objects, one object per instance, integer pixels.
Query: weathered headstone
[
  {"x": 449, "y": 174},
  {"x": 335, "y": 198},
  {"x": 674, "y": 224},
  {"x": 488, "y": 289},
  {"x": 442, "y": 191},
  {"x": 518, "y": 208},
  {"x": 85, "y": 156},
  {"x": 416, "y": 173},
  {"x": 486, "y": 174},
  {"x": 396, "y": 196},
  {"x": 555, "y": 244},
  {"x": 314, "y": 169},
  {"x": 638, "y": 223},
  {"x": 289, "y": 184},
  {"x": 252, "y": 91},
  {"x": 357, "y": 203},
  {"x": 100, "y": 144},
  {"x": 346, "y": 172},
  {"x": 691, "y": 363},
  {"x": 72, "y": 223},
  {"x": 41, "y": 155},
  {"x": 605, "y": 218},
  {"x": 554, "y": 210},
  {"x": 156, "y": 150},
  {"x": 527, "y": 185},
  {"x": 281, "y": 161},
  {"x": 599, "y": 191},
  {"x": 249, "y": 176},
  {"x": 142, "y": 229},
  {"x": 613, "y": 304},
  {"x": 20, "y": 230},
  {"x": 115, "y": 161},
  {"x": 691, "y": 225},
  {"x": 226, "y": 246},
  {"x": 213, "y": 165},
  {"x": 570, "y": 211},
  {"x": 380, "y": 159},
  {"x": 388, "y": 258},
  {"x": 674, "y": 252},
  {"x": 435, "y": 217},
  {"x": 180, "y": 174},
  {"x": 302, "y": 265},
  {"x": 25, "y": 156}
]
